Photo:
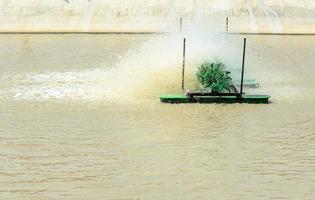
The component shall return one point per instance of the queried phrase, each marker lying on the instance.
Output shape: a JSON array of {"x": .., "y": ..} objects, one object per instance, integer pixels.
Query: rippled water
[{"x": 61, "y": 137}]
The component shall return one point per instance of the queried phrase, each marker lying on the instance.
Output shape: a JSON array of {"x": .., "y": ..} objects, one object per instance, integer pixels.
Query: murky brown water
[{"x": 60, "y": 141}]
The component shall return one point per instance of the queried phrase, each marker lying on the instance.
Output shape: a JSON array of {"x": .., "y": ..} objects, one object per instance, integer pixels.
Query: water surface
[{"x": 63, "y": 137}]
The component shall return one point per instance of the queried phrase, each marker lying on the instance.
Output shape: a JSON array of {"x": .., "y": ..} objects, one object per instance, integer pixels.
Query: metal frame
[{"x": 205, "y": 94}]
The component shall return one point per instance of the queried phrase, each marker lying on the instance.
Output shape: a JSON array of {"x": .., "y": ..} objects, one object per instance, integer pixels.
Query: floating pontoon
[{"x": 229, "y": 99}]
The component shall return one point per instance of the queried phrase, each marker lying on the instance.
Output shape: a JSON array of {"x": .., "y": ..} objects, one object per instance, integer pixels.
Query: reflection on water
[{"x": 70, "y": 148}]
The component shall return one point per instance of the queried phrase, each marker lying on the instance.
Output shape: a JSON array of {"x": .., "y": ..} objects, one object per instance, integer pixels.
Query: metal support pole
[
  {"x": 184, "y": 60},
  {"x": 243, "y": 66},
  {"x": 181, "y": 24},
  {"x": 227, "y": 26}
]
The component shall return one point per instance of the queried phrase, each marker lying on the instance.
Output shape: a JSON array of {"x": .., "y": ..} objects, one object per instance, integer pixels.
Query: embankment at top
[{"x": 156, "y": 15}]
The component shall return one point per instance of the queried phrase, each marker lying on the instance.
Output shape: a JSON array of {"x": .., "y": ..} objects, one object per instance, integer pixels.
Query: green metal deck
[{"x": 182, "y": 99}]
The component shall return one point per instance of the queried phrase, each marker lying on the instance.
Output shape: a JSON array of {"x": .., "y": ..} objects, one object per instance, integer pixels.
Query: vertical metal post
[
  {"x": 243, "y": 66},
  {"x": 227, "y": 25},
  {"x": 181, "y": 24},
  {"x": 184, "y": 60}
]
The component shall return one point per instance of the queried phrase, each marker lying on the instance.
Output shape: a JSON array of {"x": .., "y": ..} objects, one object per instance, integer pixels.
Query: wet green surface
[{"x": 252, "y": 99}]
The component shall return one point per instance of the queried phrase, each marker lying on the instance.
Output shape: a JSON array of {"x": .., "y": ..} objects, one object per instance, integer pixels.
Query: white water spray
[
  {"x": 144, "y": 72},
  {"x": 3, "y": 6},
  {"x": 272, "y": 17},
  {"x": 252, "y": 17},
  {"x": 89, "y": 15}
]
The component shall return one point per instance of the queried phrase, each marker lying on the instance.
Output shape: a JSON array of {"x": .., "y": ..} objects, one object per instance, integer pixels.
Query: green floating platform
[{"x": 249, "y": 99}]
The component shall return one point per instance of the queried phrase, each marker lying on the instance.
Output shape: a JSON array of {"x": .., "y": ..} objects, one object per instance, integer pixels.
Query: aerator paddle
[{"x": 215, "y": 96}]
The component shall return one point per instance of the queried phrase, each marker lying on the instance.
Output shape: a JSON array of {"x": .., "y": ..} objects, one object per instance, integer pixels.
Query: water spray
[
  {"x": 252, "y": 17},
  {"x": 272, "y": 17},
  {"x": 89, "y": 15}
]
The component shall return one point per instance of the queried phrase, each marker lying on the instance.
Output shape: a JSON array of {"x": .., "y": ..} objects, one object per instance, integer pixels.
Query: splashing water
[
  {"x": 171, "y": 11},
  {"x": 3, "y": 6},
  {"x": 141, "y": 72},
  {"x": 145, "y": 72},
  {"x": 89, "y": 15},
  {"x": 252, "y": 17},
  {"x": 272, "y": 17}
]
